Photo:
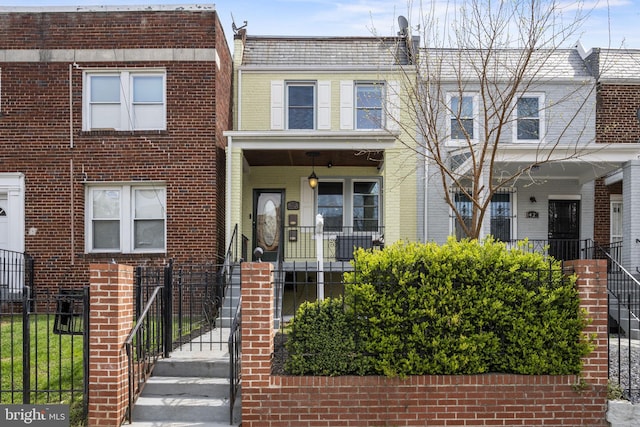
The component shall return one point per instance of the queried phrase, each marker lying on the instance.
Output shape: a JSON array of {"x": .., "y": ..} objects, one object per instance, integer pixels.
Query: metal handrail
[
  {"x": 235, "y": 350},
  {"x": 129, "y": 344},
  {"x": 624, "y": 289}
]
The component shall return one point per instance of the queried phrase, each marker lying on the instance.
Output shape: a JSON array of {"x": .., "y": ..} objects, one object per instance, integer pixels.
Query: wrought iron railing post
[
  {"x": 168, "y": 309},
  {"x": 26, "y": 348}
]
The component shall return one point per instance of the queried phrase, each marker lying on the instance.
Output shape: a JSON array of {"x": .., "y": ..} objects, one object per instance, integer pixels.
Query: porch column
[
  {"x": 587, "y": 210},
  {"x": 630, "y": 217}
]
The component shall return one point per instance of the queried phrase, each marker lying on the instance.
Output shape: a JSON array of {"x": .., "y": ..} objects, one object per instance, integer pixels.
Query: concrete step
[
  {"x": 208, "y": 367},
  {"x": 183, "y": 386},
  {"x": 181, "y": 408},
  {"x": 180, "y": 424}
]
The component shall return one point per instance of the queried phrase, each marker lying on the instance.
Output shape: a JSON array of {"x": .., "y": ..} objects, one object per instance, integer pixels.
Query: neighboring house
[
  {"x": 111, "y": 122},
  {"x": 327, "y": 106},
  {"x": 552, "y": 124},
  {"x": 618, "y": 122}
]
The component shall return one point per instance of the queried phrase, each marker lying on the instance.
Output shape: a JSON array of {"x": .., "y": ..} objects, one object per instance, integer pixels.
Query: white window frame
[
  {"x": 126, "y": 216},
  {"x": 357, "y": 108},
  {"x": 126, "y": 103},
  {"x": 616, "y": 218},
  {"x": 541, "y": 118},
  {"x": 314, "y": 86},
  {"x": 391, "y": 105},
  {"x": 451, "y": 115}
]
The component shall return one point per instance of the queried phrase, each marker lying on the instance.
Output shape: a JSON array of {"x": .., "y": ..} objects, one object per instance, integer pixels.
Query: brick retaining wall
[{"x": 429, "y": 400}]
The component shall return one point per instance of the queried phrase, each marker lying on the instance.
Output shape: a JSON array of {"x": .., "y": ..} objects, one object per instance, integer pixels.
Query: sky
[{"x": 609, "y": 23}]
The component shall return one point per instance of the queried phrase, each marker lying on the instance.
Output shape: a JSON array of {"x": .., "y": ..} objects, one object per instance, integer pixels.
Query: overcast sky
[{"x": 612, "y": 23}]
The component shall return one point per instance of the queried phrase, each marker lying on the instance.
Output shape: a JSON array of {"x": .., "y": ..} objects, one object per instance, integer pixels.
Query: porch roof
[
  {"x": 287, "y": 148},
  {"x": 583, "y": 163}
]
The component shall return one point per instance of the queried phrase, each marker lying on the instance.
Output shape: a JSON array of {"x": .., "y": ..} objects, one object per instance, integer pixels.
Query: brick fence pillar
[
  {"x": 257, "y": 339},
  {"x": 592, "y": 287},
  {"x": 110, "y": 317}
]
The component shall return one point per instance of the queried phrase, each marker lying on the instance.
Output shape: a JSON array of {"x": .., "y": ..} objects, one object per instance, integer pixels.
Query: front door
[
  {"x": 564, "y": 229},
  {"x": 268, "y": 217},
  {"x": 4, "y": 222}
]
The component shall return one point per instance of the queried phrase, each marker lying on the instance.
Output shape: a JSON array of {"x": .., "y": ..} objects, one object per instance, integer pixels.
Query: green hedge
[{"x": 461, "y": 308}]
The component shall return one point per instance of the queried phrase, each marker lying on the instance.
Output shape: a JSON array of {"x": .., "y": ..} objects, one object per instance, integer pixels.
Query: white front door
[{"x": 4, "y": 222}]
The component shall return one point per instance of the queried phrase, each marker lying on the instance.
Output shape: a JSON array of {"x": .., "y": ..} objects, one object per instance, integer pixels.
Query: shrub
[
  {"x": 320, "y": 341},
  {"x": 461, "y": 308}
]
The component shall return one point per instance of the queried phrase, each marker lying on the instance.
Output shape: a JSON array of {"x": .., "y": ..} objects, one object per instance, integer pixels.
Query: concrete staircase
[
  {"x": 192, "y": 388},
  {"x": 189, "y": 389}
]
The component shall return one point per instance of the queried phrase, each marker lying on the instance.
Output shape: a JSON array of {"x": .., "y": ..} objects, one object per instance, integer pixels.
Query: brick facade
[
  {"x": 616, "y": 123},
  {"x": 434, "y": 400},
  {"x": 602, "y": 217},
  {"x": 42, "y": 137}
]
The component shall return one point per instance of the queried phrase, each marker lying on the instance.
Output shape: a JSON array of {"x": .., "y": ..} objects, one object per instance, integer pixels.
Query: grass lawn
[{"x": 56, "y": 367}]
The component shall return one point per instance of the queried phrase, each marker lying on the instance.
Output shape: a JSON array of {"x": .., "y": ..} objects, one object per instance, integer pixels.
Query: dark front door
[
  {"x": 564, "y": 229},
  {"x": 268, "y": 218}
]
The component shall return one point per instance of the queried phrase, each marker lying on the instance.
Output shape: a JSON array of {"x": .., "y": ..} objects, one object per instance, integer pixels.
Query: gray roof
[
  {"x": 616, "y": 65},
  {"x": 502, "y": 64},
  {"x": 323, "y": 52}
]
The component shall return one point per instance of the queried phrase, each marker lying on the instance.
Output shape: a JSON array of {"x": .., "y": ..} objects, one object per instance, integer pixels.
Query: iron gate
[{"x": 44, "y": 348}]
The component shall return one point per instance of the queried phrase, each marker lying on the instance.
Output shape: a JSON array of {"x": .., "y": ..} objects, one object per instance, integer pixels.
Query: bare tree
[{"x": 467, "y": 87}]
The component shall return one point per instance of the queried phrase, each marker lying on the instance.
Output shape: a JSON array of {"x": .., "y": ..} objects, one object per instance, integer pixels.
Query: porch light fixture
[{"x": 313, "y": 178}]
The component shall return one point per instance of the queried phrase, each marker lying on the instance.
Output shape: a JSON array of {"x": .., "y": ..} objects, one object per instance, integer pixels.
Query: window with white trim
[
  {"x": 529, "y": 118},
  {"x": 352, "y": 203},
  {"x": 126, "y": 218},
  {"x": 462, "y": 123},
  {"x": 370, "y": 105},
  {"x": 124, "y": 100},
  {"x": 616, "y": 233},
  {"x": 369, "y": 100},
  {"x": 301, "y": 102}
]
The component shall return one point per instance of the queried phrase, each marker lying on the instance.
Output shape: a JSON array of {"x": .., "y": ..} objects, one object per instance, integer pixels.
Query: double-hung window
[
  {"x": 331, "y": 205},
  {"x": 366, "y": 205},
  {"x": 462, "y": 117},
  {"x": 529, "y": 118},
  {"x": 369, "y": 105},
  {"x": 125, "y": 101},
  {"x": 126, "y": 218},
  {"x": 301, "y": 105},
  {"x": 352, "y": 203}
]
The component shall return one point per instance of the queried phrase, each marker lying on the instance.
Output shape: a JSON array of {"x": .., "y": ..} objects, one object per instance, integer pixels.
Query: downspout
[
  {"x": 425, "y": 199},
  {"x": 238, "y": 103}
]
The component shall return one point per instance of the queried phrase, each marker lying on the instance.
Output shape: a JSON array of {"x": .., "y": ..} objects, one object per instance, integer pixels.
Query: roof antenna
[
  {"x": 235, "y": 28},
  {"x": 404, "y": 26}
]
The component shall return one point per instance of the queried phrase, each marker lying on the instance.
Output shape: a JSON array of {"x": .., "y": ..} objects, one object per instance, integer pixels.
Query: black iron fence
[
  {"x": 560, "y": 249},
  {"x": 16, "y": 274},
  {"x": 186, "y": 308},
  {"x": 337, "y": 243},
  {"x": 44, "y": 348},
  {"x": 623, "y": 290}
]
